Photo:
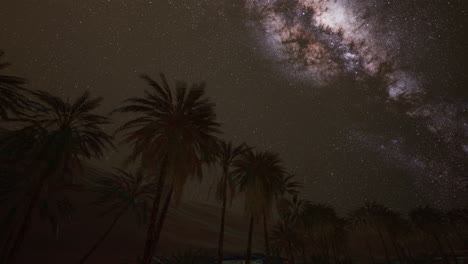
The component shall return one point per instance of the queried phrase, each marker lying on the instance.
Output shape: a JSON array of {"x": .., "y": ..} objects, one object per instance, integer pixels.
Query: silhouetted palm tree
[
  {"x": 175, "y": 133},
  {"x": 361, "y": 221},
  {"x": 54, "y": 205},
  {"x": 226, "y": 187},
  {"x": 12, "y": 97},
  {"x": 121, "y": 192},
  {"x": 378, "y": 218},
  {"x": 63, "y": 133},
  {"x": 458, "y": 224},
  {"x": 429, "y": 221},
  {"x": 260, "y": 176},
  {"x": 292, "y": 212},
  {"x": 286, "y": 238},
  {"x": 323, "y": 228}
]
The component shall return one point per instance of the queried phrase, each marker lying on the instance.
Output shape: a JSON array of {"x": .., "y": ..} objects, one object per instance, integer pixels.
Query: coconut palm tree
[
  {"x": 12, "y": 97},
  {"x": 175, "y": 133},
  {"x": 429, "y": 221},
  {"x": 361, "y": 221},
  {"x": 292, "y": 212},
  {"x": 226, "y": 187},
  {"x": 54, "y": 205},
  {"x": 260, "y": 176},
  {"x": 379, "y": 215},
  {"x": 64, "y": 134},
  {"x": 457, "y": 220},
  {"x": 324, "y": 228},
  {"x": 286, "y": 238},
  {"x": 121, "y": 192}
]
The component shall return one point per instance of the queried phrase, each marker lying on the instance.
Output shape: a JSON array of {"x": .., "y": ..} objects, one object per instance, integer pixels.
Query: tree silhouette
[
  {"x": 175, "y": 133},
  {"x": 12, "y": 98},
  {"x": 260, "y": 176},
  {"x": 429, "y": 221},
  {"x": 121, "y": 192},
  {"x": 63, "y": 134},
  {"x": 286, "y": 238},
  {"x": 226, "y": 187}
]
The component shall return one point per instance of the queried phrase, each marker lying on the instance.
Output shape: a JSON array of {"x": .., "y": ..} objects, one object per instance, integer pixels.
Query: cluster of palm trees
[
  {"x": 173, "y": 133},
  {"x": 315, "y": 234}
]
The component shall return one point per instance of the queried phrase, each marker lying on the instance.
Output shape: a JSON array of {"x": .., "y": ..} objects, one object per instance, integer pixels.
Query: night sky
[{"x": 363, "y": 99}]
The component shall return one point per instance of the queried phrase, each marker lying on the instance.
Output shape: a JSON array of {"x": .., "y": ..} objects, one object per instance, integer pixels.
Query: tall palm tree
[
  {"x": 323, "y": 228},
  {"x": 12, "y": 93},
  {"x": 458, "y": 224},
  {"x": 361, "y": 221},
  {"x": 292, "y": 213},
  {"x": 54, "y": 205},
  {"x": 175, "y": 133},
  {"x": 286, "y": 238},
  {"x": 429, "y": 221},
  {"x": 378, "y": 218},
  {"x": 226, "y": 187},
  {"x": 260, "y": 176},
  {"x": 121, "y": 192},
  {"x": 64, "y": 134}
]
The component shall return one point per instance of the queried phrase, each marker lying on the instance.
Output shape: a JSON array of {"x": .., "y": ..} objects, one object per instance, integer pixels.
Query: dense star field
[{"x": 364, "y": 100}]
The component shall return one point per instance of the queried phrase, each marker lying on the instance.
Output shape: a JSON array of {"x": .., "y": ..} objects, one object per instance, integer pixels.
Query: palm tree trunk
[
  {"x": 370, "y": 249},
  {"x": 161, "y": 219},
  {"x": 150, "y": 234},
  {"x": 441, "y": 249},
  {"x": 397, "y": 251},
  {"x": 103, "y": 236},
  {"x": 335, "y": 253},
  {"x": 221, "y": 228},
  {"x": 249, "y": 241},
  {"x": 304, "y": 257},
  {"x": 384, "y": 245},
  {"x": 6, "y": 246},
  {"x": 291, "y": 253},
  {"x": 454, "y": 256},
  {"x": 267, "y": 244},
  {"x": 7, "y": 222},
  {"x": 25, "y": 224}
]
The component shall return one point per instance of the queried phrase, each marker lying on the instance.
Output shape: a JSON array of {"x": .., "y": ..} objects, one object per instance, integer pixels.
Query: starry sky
[{"x": 363, "y": 99}]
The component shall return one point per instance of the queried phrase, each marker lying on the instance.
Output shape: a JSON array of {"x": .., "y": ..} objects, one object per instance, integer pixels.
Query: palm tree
[
  {"x": 361, "y": 221},
  {"x": 54, "y": 204},
  {"x": 64, "y": 133},
  {"x": 324, "y": 228},
  {"x": 226, "y": 188},
  {"x": 286, "y": 238},
  {"x": 175, "y": 133},
  {"x": 120, "y": 192},
  {"x": 458, "y": 224},
  {"x": 12, "y": 98},
  {"x": 260, "y": 176},
  {"x": 292, "y": 214},
  {"x": 378, "y": 218},
  {"x": 398, "y": 230},
  {"x": 429, "y": 221}
]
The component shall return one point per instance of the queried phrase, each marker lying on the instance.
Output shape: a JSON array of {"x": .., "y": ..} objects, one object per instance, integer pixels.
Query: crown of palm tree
[
  {"x": 293, "y": 210},
  {"x": 12, "y": 98},
  {"x": 427, "y": 219},
  {"x": 260, "y": 176},
  {"x": 54, "y": 204},
  {"x": 60, "y": 133},
  {"x": 226, "y": 156},
  {"x": 123, "y": 190},
  {"x": 178, "y": 129},
  {"x": 284, "y": 237}
]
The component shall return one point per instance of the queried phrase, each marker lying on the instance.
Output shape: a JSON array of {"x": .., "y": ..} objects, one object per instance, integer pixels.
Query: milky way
[
  {"x": 325, "y": 38},
  {"x": 322, "y": 40}
]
